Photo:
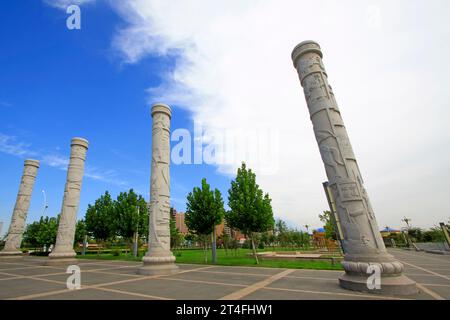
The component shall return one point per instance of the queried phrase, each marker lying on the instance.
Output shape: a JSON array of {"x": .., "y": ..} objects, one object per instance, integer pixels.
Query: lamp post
[
  {"x": 45, "y": 203},
  {"x": 136, "y": 236},
  {"x": 407, "y": 220}
]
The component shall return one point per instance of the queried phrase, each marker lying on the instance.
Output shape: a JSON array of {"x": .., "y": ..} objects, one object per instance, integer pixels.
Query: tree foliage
[
  {"x": 250, "y": 210},
  {"x": 128, "y": 219},
  {"x": 41, "y": 233},
  {"x": 330, "y": 229},
  {"x": 204, "y": 211},
  {"x": 176, "y": 238},
  {"x": 80, "y": 231},
  {"x": 99, "y": 218}
]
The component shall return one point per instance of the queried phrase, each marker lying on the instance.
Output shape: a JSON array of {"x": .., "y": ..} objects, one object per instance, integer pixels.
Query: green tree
[
  {"x": 251, "y": 211},
  {"x": 131, "y": 217},
  {"x": 80, "y": 231},
  {"x": 204, "y": 211},
  {"x": 130, "y": 214},
  {"x": 415, "y": 234},
  {"x": 99, "y": 218},
  {"x": 434, "y": 234},
  {"x": 327, "y": 219},
  {"x": 42, "y": 233},
  {"x": 175, "y": 236}
]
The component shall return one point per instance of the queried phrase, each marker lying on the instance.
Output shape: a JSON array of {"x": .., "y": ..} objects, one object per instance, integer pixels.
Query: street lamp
[
  {"x": 136, "y": 235},
  {"x": 45, "y": 202},
  {"x": 406, "y": 220}
]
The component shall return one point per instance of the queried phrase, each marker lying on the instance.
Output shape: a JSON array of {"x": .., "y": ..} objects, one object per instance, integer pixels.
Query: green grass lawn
[{"x": 238, "y": 258}]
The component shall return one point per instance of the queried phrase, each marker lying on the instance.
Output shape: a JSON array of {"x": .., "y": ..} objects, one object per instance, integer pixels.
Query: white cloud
[
  {"x": 12, "y": 146},
  {"x": 385, "y": 60}
]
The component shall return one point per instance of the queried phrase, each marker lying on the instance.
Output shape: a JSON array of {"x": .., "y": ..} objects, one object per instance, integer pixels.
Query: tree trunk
[
  {"x": 254, "y": 249},
  {"x": 205, "y": 250},
  {"x": 213, "y": 247},
  {"x": 135, "y": 244}
]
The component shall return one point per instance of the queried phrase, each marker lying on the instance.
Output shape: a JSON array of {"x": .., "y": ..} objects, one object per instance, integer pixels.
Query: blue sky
[
  {"x": 227, "y": 66},
  {"x": 57, "y": 84}
]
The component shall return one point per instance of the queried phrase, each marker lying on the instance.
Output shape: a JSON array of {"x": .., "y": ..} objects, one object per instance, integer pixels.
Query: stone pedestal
[
  {"x": 362, "y": 242},
  {"x": 159, "y": 259},
  {"x": 63, "y": 251},
  {"x": 17, "y": 226}
]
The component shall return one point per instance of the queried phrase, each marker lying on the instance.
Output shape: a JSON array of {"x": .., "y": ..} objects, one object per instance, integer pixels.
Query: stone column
[
  {"x": 63, "y": 250},
  {"x": 17, "y": 226},
  {"x": 362, "y": 242},
  {"x": 159, "y": 259}
]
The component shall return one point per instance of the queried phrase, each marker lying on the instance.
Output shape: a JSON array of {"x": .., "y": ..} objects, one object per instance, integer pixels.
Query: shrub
[{"x": 116, "y": 252}]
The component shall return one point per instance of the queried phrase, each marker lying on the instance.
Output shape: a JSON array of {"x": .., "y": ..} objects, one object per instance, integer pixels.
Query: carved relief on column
[
  {"x": 67, "y": 223},
  {"x": 362, "y": 241},
  {"x": 159, "y": 259},
  {"x": 19, "y": 216}
]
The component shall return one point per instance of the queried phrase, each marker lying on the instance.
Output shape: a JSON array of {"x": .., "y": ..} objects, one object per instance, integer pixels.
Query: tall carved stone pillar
[
  {"x": 159, "y": 259},
  {"x": 362, "y": 242},
  {"x": 17, "y": 226},
  {"x": 67, "y": 222}
]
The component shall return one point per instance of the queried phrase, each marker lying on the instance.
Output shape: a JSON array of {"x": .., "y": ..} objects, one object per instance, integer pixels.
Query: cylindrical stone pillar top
[
  {"x": 305, "y": 47},
  {"x": 19, "y": 216},
  {"x": 31, "y": 162},
  {"x": 79, "y": 142},
  {"x": 163, "y": 108}
]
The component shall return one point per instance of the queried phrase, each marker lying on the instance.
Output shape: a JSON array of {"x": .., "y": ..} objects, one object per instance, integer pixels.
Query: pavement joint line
[
  {"x": 429, "y": 271},
  {"x": 21, "y": 268},
  {"x": 420, "y": 274},
  {"x": 113, "y": 273},
  {"x": 434, "y": 284},
  {"x": 11, "y": 278},
  {"x": 375, "y": 296},
  {"x": 207, "y": 282},
  {"x": 38, "y": 276},
  {"x": 256, "y": 286},
  {"x": 37, "y": 263},
  {"x": 139, "y": 278},
  {"x": 312, "y": 278},
  {"x": 132, "y": 293},
  {"x": 84, "y": 287},
  {"x": 426, "y": 257},
  {"x": 237, "y": 273},
  {"x": 429, "y": 292}
]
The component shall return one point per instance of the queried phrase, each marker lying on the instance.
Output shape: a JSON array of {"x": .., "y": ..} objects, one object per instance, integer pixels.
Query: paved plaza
[{"x": 26, "y": 278}]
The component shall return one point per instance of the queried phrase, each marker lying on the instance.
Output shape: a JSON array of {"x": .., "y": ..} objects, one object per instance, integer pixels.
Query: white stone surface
[
  {"x": 17, "y": 226},
  {"x": 362, "y": 241},
  {"x": 67, "y": 222},
  {"x": 159, "y": 259}
]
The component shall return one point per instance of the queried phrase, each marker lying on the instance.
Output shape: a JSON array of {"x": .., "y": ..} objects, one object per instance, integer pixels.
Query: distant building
[
  {"x": 220, "y": 229},
  {"x": 180, "y": 224}
]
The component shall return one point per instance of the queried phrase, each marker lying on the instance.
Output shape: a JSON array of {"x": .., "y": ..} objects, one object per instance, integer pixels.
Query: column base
[
  {"x": 158, "y": 269},
  {"x": 390, "y": 285},
  {"x": 12, "y": 254},
  {"x": 158, "y": 265},
  {"x": 61, "y": 258}
]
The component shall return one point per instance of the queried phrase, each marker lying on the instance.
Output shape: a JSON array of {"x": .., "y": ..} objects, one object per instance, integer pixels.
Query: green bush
[{"x": 116, "y": 252}]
